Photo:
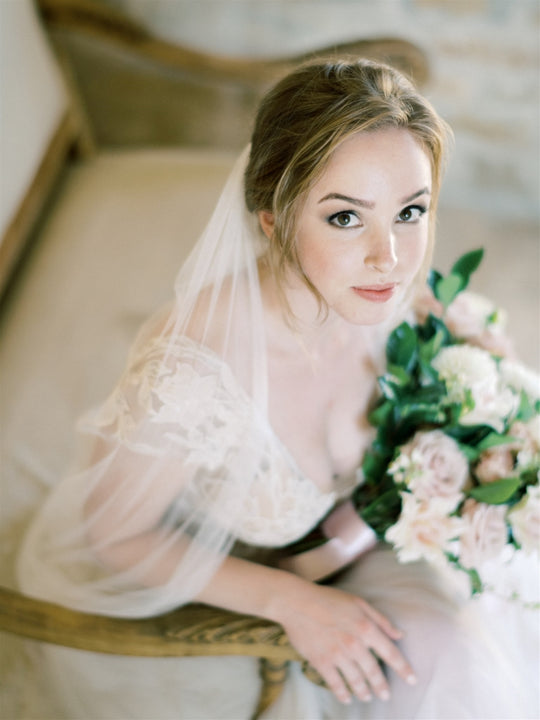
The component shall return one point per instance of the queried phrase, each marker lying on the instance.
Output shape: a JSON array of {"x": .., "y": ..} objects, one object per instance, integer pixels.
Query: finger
[
  {"x": 387, "y": 651},
  {"x": 382, "y": 621},
  {"x": 373, "y": 674},
  {"x": 335, "y": 682},
  {"x": 354, "y": 678}
]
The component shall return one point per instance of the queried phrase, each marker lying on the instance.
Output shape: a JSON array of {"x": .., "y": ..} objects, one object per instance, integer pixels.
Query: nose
[{"x": 381, "y": 255}]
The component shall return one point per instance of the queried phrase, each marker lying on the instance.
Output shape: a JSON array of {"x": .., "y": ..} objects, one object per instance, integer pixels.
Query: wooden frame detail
[
  {"x": 18, "y": 230},
  {"x": 193, "y": 630}
]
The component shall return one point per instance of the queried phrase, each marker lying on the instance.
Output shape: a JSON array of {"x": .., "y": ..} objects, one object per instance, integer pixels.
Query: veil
[{"x": 174, "y": 465}]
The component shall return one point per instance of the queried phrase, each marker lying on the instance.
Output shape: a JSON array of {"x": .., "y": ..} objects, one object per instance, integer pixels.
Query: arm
[{"x": 333, "y": 630}]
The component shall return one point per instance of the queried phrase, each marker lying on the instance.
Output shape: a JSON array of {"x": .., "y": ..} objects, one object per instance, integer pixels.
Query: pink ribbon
[{"x": 348, "y": 538}]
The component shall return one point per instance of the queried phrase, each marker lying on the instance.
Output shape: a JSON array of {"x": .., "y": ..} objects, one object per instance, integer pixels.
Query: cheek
[
  {"x": 414, "y": 253},
  {"x": 312, "y": 254},
  {"x": 322, "y": 265}
]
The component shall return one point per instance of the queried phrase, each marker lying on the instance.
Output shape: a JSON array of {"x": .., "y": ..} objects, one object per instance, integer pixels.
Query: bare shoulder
[{"x": 220, "y": 313}]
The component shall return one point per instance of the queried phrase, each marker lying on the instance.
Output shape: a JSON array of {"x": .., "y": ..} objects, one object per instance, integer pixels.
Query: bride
[{"x": 240, "y": 422}]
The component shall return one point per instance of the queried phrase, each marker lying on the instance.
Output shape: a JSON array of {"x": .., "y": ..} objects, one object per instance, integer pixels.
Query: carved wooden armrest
[{"x": 187, "y": 631}]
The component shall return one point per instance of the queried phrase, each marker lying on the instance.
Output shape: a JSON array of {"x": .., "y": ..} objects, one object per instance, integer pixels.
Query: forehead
[{"x": 392, "y": 154}]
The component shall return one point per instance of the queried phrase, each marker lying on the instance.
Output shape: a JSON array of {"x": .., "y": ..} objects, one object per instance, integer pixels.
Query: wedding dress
[
  {"x": 183, "y": 454},
  {"x": 467, "y": 668}
]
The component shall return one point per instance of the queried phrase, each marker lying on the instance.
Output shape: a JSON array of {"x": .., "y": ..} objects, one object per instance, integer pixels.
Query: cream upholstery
[{"x": 106, "y": 259}]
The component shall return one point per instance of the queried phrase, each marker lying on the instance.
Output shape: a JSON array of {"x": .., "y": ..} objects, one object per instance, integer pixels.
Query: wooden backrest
[
  {"x": 138, "y": 89},
  {"x": 38, "y": 126}
]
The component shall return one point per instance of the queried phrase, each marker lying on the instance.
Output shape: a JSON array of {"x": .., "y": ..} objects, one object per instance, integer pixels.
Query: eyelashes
[
  {"x": 344, "y": 219},
  {"x": 412, "y": 213}
]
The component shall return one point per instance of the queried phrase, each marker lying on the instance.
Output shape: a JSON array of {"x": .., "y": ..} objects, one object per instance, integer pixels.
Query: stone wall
[{"x": 484, "y": 56}]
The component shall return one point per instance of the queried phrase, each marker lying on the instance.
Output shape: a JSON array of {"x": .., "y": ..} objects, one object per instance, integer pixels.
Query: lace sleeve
[{"x": 178, "y": 399}]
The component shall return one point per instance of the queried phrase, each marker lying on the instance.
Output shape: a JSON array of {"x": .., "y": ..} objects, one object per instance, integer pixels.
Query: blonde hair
[{"x": 301, "y": 122}]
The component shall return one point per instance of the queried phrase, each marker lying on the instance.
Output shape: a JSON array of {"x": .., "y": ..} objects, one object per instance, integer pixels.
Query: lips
[{"x": 376, "y": 293}]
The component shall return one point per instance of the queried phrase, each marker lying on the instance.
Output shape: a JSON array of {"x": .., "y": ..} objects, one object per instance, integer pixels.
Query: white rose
[
  {"x": 524, "y": 520},
  {"x": 485, "y": 533},
  {"x": 425, "y": 529},
  {"x": 466, "y": 369},
  {"x": 432, "y": 465},
  {"x": 518, "y": 377}
]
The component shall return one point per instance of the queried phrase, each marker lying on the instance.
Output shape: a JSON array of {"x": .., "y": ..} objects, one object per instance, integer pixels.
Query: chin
[{"x": 376, "y": 313}]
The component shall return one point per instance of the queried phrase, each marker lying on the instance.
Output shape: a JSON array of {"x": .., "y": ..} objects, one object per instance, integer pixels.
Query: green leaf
[
  {"x": 497, "y": 492},
  {"x": 468, "y": 434},
  {"x": 448, "y": 287},
  {"x": 467, "y": 264},
  {"x": 431, "y": 347},
  {"x": 494, "y": 439},
  {"x": 398, "y": 375},
  {"x": 476, "y": 584},
  {"x": 383, "y": 511},
  {"x": 418, "y": 415},
  {"x": 388, "y": 388},
  {"x": 373, "y": 465},
  {"x": 427, "y": 375},
  {"x": 527, "y": 409},
  {"x": 402, "y": 347},
  {"x": 471, "y": 453},
  {"x": 380, "y": 415},
  {"x": 430, "y": 394},
  {"x": 454, "y": 411}
]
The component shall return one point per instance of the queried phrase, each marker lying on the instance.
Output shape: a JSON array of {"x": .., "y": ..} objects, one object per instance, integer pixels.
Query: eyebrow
[{"x": 371, "y": 205}]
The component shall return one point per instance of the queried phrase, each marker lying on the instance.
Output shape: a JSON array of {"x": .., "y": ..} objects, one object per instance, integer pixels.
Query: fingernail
[
  {"x": 384, "y": 695},
  {"x": 412, "y": 679}
]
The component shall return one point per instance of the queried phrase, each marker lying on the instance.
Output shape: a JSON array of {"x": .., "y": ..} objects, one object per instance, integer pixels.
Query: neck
[{"x": 305, "y": 325}]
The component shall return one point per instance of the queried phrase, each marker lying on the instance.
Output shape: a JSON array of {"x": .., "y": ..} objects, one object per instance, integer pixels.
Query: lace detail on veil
[{"x": 192, "y": 398}]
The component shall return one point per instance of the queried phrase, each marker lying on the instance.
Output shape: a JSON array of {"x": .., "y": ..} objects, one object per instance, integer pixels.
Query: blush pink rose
[
  {"x": 432, "y": 465},
  {"x": 425, "y": 529},
  {"x": 485, "y": 533},
  {"x": 469, "y": 315},
  {"x": 495, "y": 463}
]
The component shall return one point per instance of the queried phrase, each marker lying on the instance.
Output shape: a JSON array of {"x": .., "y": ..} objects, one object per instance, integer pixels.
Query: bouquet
[{"x": 453, "y": 474}]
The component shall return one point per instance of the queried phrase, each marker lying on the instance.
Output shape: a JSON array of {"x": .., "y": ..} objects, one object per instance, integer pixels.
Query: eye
[
  {"x": 411, "y": 214},
  {"x": 344, "y": 219}
]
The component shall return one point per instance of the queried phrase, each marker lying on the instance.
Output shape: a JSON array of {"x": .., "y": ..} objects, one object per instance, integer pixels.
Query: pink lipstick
[{"x": 376, "y": 293}]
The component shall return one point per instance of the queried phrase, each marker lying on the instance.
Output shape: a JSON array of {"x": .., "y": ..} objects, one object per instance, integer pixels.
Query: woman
[{"x": 240, "y": 421}]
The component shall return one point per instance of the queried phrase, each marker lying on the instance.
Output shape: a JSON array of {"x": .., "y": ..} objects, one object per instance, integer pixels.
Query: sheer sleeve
[
  {"x": 181, "y": 465},
  {"x": 145, "y": 520},
  {"x": 180, "y": 461}
]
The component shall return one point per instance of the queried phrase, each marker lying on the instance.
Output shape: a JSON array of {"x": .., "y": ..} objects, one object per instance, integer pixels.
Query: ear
[{"x": 266, "y": 220}]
